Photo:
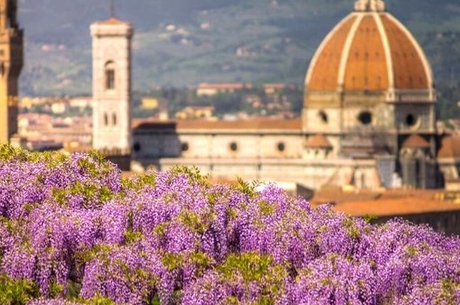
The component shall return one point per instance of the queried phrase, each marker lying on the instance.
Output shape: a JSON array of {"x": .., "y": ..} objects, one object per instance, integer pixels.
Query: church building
[{"x": 368, "y": 118}]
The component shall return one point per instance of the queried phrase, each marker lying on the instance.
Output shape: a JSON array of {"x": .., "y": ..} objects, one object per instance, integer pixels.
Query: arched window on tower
[
  {"x": 114, "y": 119},
  {"x": 110, "y": 75},
  {"x": 106, "y": 120}
]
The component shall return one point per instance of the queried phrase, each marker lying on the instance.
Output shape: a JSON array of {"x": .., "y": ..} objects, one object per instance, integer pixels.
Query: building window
[
  {"x": 233, "y": 146},
  {"x": 281, "y": 146},
  {"x": 323, "y": 116},
  {"x": 365, "y": 117},
  {"x": 184, "y": 146},
  {"x": 110, "y": 75},
  {"x": 137, "y": 146},
  {"x": 106, "y": 119},
  {"x": 411, "y": 120},
  {"x": 114, "y": 119}
]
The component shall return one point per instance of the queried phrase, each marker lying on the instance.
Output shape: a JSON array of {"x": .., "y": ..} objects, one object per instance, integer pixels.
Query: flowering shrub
[{"x": 73, "y": 232}]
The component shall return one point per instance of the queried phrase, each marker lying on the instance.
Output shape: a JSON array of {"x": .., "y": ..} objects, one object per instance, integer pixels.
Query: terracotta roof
[
  {"x": 415, "y": 141},
  {"x": 450, "y": 147},
  {"x": 325, "y": 67},
  {"x": 408, "y": 69},
  {"x": 250, "y": 124},
  {"x": 366, "y": 67},
  {"x": 335, "y": 195},
  {"x": 112, "y": 21},
  {"x": 395, "y": 207},
  {"x": 318, "y": 141},
  {"x": 393, "y": 202},
  {"x": 369, "y": 50}
]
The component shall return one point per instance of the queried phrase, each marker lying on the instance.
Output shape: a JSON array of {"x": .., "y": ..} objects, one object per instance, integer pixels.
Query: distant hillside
[{"x": 185, "y": 42}]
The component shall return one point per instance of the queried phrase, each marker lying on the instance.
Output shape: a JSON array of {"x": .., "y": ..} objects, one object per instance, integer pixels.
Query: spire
[
  {"x": 369, "y": 6},
  {"x": 112, "y": 9}
]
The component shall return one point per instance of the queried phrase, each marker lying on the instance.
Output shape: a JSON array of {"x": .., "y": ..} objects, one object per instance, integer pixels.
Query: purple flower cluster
[{"x": 71, "y": 227}]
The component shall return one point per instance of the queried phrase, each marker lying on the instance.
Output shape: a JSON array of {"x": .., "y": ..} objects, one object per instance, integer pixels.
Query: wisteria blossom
[{"x": 72, "y": 231}]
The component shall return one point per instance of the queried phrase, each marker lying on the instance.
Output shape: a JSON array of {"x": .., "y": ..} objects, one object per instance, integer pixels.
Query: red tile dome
[{"x": 369, "y": 50}]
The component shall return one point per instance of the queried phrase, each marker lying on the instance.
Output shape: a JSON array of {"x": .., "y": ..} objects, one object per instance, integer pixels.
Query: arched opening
[
  {"x": 106, "y": 120},
  {"x": 114, "y": 119},
  {"x": 110, "y": 75}
]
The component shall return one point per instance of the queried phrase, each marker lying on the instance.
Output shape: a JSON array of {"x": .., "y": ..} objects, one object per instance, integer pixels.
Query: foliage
[
  {"x": 448, "y": 100},
  {"x": 73, "y": 232},
  {"x": 18, "y": 291}
]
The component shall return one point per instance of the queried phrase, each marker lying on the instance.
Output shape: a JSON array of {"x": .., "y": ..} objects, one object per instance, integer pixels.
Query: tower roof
[
  {"x": 112, "y": 27},
  {"x": 369, "y": 50},
  {"x": 112, "y": 20}
]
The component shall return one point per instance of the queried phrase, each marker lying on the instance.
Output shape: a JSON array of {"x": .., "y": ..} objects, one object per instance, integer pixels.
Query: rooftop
[
  {"x": 249, "y": 124},
  {"x": 450, "y": 147},
  {"x": 112, "y": 21},
  {"x": 318, "y": 141},
  {"x": 416, "y": 141},
  {"x": 398, "y": 202}
]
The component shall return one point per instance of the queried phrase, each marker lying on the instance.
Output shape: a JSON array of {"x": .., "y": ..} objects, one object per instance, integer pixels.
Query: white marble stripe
[
  {"x": 386, "y": 47},
  {"x": 346, "y": 49}
]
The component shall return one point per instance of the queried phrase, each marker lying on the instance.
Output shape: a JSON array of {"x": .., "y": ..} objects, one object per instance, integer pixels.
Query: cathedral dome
[{"x": 369, "y": 50}]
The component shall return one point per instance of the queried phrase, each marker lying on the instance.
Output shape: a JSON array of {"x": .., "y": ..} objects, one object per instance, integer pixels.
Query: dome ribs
[
  {"x": 370, "y": 51},
  {"x": 326, "y": 63},
  {"x": 408, "y": 67},
  {"x": 366, "y": 67}
]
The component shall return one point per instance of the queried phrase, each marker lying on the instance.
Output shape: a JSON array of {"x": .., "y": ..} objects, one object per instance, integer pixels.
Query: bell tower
[
  {"x": 112, "y": 86},
  {"x": 11, "y": 61}
]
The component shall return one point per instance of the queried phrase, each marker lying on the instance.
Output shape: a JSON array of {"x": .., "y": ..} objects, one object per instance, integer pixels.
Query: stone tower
[
  {"x": 112, "y": 87},
  {"x": 11, "y": 60}
]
